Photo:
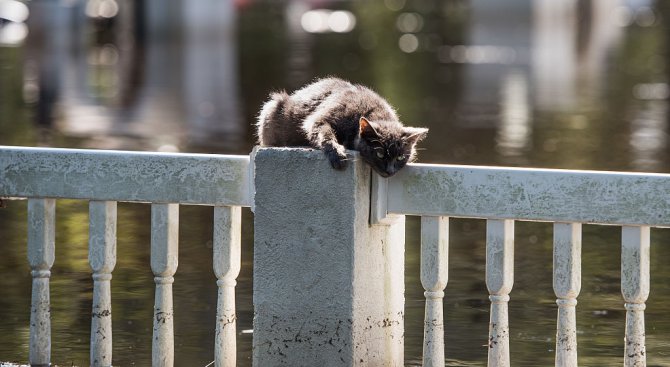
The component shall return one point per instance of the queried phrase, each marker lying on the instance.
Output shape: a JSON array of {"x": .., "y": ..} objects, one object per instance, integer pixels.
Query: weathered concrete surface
[
  {"x": 328, "y": 287},
  {"x": 531, "y": 194},
  {"x": 41, "y": 255},
  {"x": 207, "y": 179}
]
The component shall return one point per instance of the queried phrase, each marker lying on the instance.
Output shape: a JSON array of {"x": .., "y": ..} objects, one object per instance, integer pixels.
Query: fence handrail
[
  {"x": 551, "y": 195},
  {"x": 206, "y": 179}
]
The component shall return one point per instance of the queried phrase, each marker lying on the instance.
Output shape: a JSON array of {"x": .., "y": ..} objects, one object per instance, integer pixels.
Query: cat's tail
[{"x": 271, "y": 115}]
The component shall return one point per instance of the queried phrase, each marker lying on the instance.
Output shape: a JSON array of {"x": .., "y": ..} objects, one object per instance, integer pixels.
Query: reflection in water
[
  {"x": 49, "y": 37},
  {"x": 648, "y": 138},
  {"x": 577, "y": 84},
  {"x": 554, "y": 67},
  {"x": 210, "y": 74},
  {"x": 571, "y": 41},
  {"x": 514, "y": 131},
  {"x": 121, "y": 87},
  {"x": 463, "y": 54},
  {"x": 300, "y": 43}
]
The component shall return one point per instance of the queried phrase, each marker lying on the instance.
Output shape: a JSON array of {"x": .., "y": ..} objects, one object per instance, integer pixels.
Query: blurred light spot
[
  {"x": 12, "y": 29},
  {"x": 106, "y": 55},
  {"x": 645, "y": 17},
  {"x": 14, "y": 11},
  {"x": 456, "y": 54},
  {"x": 651, "y": 91},
  {"x": 109, "y": 55},
  {"x": 248, "y": 331},
  {"x": 12, "y": 34},
  {"x": 623, "y": 16},
  {"x": 394, "y": 5},
  {"x": 102, "y": 8},
  {"x": 30, "y": 87},
  {"x": 341, "y": 21},
  {"x": 324, "y": 20},
  {"x": 462, "y": 54},
  {"x": 409, "y": 22},
  {"x": 168, "y": 148},
  {"x": 314, "y": 21},
  {"x": 408, "y": 43}
]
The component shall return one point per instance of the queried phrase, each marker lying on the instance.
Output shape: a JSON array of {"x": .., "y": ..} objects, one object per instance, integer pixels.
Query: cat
[{"x": 332, "y": 114}]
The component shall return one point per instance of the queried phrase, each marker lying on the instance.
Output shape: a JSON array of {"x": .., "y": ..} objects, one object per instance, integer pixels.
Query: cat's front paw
[{"x": 338, "y": 159}]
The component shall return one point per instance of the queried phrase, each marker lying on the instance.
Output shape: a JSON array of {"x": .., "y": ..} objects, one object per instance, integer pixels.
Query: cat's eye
[
  {"x": 380, "y": 154},
  {"x": 401, "y": 157}
]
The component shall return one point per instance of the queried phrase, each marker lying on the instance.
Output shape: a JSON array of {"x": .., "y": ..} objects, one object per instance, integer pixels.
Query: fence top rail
[
  {"x": 620, "y": 198},
  {"x": 552, "y": 195},
  {"x": 204, "y": 179}
]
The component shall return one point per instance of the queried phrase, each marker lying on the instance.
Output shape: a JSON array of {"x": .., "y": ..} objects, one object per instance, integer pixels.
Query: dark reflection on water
[{"x": 497, "y": 84}]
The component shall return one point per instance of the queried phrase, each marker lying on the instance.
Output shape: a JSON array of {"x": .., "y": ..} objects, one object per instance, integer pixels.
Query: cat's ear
[
  {"x": 365, "y": 127},
  {"x": 414, "y": 135}
]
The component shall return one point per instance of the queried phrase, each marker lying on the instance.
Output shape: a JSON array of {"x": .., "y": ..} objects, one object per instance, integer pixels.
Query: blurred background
[{"x": 576, "y": 84}]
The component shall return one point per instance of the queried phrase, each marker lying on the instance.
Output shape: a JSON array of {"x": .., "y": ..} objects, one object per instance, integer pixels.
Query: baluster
[
  {"x": 499, "y": 281},
  {"x": 434, "y": 275},
  {"x": 102, "y": 258},
  {"x": 164, "y": 247},
  {"x": 227, "y": 253},
  {"x": 41, "y": 248},
  {"x": 567, "y": 284},
  {"x": 635, "y": 290}
]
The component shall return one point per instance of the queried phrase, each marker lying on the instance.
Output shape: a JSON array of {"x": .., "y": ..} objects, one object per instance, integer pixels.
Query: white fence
[
  {"x": 104, "y": 178},
  {"x": 635, "y": 202}
]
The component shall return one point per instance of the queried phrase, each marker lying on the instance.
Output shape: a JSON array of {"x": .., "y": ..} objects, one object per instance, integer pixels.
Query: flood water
[{"x": 514, "y": 83}]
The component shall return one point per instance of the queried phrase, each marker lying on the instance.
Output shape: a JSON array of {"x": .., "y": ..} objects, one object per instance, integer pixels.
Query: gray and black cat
[{"x": 333, "y": 115}]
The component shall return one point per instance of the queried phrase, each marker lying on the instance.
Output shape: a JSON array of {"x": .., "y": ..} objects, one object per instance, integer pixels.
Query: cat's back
[
  {"x": 318, "y": 92},
  {"x": 279, "y": 122},
  {"x": 353, "y": 100},
  {"x": 287, "y": 120}
]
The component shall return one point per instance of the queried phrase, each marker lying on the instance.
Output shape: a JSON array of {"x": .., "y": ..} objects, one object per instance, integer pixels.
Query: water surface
[{"x": 496, "y": 85}]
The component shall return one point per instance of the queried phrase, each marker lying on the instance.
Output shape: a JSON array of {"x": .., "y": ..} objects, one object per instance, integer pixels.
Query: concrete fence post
[{"x": 328, "y": 286}]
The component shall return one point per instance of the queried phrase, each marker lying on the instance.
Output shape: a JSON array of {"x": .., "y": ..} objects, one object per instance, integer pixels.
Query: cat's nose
[
  {"x": 382, "y": 172},
  {"x": 390, "y": 169}
]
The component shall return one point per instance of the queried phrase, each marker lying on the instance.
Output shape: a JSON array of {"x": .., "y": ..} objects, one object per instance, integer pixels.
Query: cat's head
[{"x": 388, "y": 145}]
